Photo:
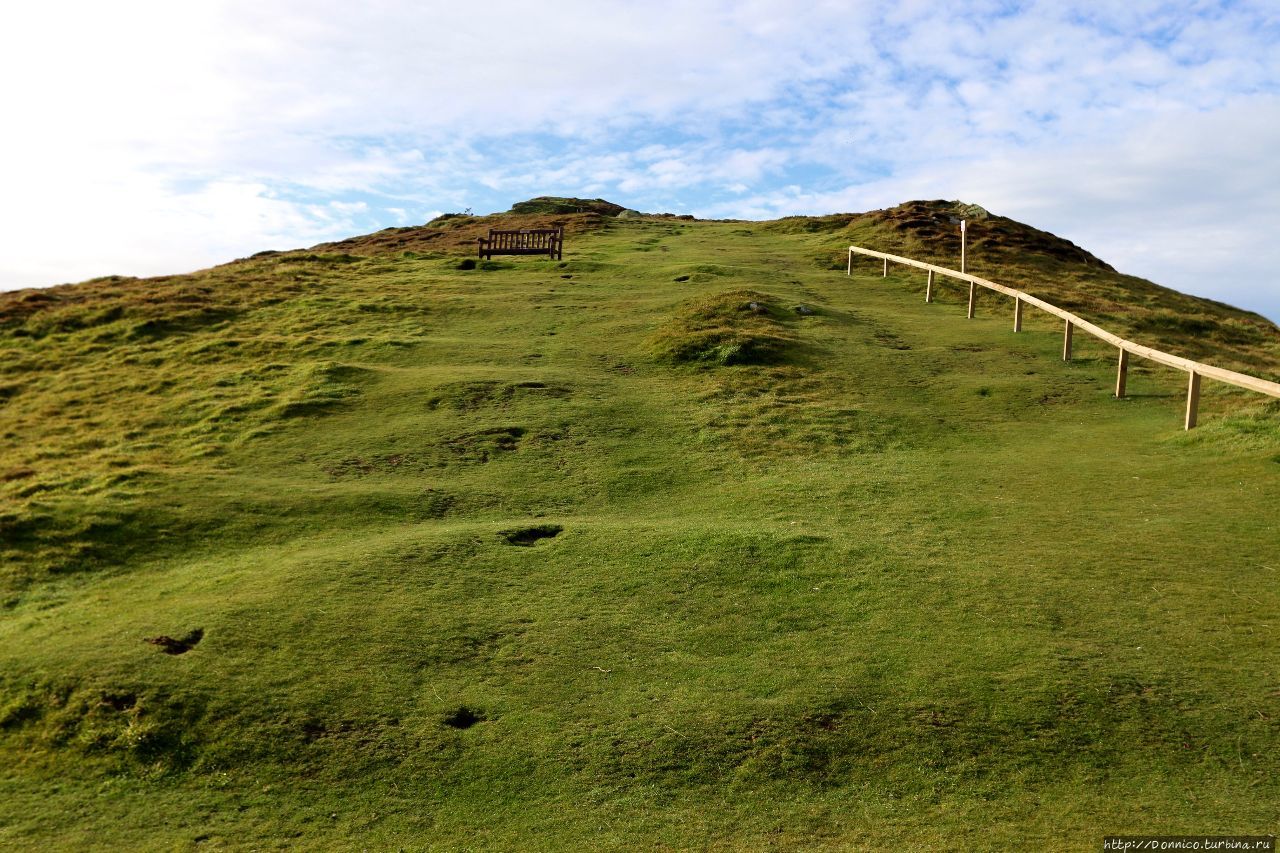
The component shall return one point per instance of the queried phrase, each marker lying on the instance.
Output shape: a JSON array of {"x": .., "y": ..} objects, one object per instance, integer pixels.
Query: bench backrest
[{"x": 526, "y": 238}]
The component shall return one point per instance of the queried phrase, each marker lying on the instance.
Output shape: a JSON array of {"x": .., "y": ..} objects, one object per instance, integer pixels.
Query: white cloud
[{"x": 1187, "y": 200}]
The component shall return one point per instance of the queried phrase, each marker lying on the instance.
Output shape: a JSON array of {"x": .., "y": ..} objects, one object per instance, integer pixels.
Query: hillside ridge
[{"x": 1002, "y": 249}]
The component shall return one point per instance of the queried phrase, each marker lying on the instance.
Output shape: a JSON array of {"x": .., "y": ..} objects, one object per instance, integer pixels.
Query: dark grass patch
[
  {"x": 180, "y": 323},
  {"x": 20, "y": 710},
  {"x": 362, "y": 466},
  {"x": 483, "y": 445},
  {"x": 1164, "y": 322},
  {"x": 958, "y": 743},
  {"x": 528, "y": 536},
  {"x": 324, "y": 259},
  {"x": 433, "y": 503},
  {"x": 148, "y": 733},
  {"x": 891, "y": 340},
  {"x": 54, "y": 534},
  {"x": 120, "y": 701},
  {"x": 468, "y": 396}
]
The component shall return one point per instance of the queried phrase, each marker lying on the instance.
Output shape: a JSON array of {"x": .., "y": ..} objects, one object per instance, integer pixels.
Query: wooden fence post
[
  {"x": 1017, "y": 314},
  {"x": 973, "y": 297},
  {"x": 928, "y": 288},
  {"x": 850, "y": 270},
  {"x": 1122, "y": 374},
  {"x": 1193, "y": 400},
  {"x": 1066, "y": 341}
]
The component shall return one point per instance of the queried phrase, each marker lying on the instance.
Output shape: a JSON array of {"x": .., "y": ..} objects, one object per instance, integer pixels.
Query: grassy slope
[
  {"x": 918, "y": 581},
  {"x": 1057, "y": 270}
]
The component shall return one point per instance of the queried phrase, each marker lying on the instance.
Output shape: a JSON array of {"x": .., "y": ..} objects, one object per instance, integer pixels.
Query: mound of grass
[{"x": 736, "y": 327}]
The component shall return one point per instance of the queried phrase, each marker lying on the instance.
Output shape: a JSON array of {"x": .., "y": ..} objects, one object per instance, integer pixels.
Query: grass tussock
[{"x": 739, "y": 327}]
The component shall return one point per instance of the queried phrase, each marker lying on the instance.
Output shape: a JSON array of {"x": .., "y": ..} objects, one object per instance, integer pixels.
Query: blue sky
[{"x": 159, "y": 137}]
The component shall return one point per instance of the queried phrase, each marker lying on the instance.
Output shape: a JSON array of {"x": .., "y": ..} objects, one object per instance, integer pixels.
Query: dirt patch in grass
[
  {"x": 528, "y": 536},
  {"x": 463, "y": 718},
  {"x": 170, "y": 646}
]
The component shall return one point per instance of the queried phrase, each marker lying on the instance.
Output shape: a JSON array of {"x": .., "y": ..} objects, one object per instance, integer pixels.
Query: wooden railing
[{"x": 1071, "y": 322}]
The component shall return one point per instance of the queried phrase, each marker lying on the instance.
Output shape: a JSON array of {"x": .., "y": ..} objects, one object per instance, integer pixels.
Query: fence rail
[{"x": 1071, "y": 322}]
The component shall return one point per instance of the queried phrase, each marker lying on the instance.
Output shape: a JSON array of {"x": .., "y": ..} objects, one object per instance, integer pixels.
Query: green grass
[{"x": 518, "y": 557}]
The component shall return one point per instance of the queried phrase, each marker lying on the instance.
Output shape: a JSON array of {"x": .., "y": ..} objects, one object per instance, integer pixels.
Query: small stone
[{"x": 804, "y": 310}]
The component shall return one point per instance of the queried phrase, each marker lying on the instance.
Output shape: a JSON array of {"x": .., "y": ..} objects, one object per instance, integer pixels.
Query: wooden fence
[{"x": 1071, "y": 322}]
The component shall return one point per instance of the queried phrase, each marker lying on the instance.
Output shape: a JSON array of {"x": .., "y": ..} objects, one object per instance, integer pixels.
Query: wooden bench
[{"x": 527, "y": 241}]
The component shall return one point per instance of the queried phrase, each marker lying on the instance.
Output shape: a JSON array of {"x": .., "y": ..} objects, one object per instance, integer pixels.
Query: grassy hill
[{"x": 358, "y": 547}]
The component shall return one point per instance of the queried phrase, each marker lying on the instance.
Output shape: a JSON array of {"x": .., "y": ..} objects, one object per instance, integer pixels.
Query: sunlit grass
[{"x": 532, "y": 556}]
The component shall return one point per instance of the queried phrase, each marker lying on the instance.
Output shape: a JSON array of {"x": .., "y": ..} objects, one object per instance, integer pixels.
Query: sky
[{"x": 148, "y": 138}]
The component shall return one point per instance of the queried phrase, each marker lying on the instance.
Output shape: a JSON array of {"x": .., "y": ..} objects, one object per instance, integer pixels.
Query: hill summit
[{"x": 556, "y": 204}]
